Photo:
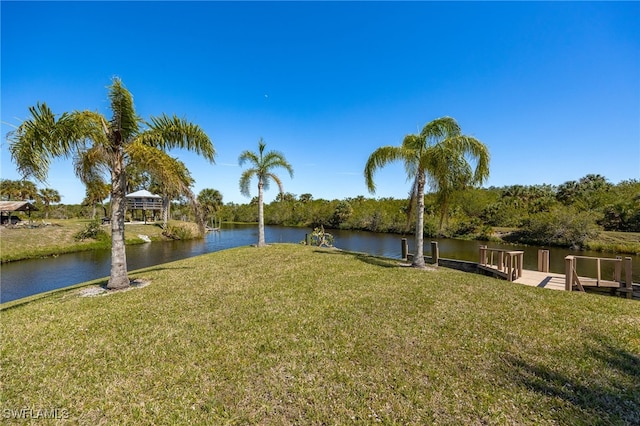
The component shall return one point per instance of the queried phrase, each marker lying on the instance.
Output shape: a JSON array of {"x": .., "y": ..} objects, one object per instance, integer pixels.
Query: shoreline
[{"x": 601, "y": 245}]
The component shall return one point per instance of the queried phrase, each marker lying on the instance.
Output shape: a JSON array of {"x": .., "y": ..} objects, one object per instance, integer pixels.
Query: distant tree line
[{"x": 566, "y": 215}]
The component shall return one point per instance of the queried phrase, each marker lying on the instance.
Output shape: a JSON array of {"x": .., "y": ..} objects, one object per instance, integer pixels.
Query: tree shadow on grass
[
  {"x": 611, "y": 398},
  {"x": 384, "y": 262}
]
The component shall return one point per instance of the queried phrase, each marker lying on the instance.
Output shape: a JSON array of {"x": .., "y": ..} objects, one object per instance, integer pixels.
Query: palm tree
[
  {"x": 48, "y": 196},
  {"x": 21, "y": 190},
  {"x": 262, "y": 163},
  {"x": 171, "y": 178},
  {"x": 211, "y": 201},
  {"x": 437, "y": 155},
  {"x": 103, "y": 146},
  {"x": 95, "y": 193}
]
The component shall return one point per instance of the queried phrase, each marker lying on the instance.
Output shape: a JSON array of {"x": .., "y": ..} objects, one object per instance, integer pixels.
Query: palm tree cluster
[{"x": 131, "y": 151}]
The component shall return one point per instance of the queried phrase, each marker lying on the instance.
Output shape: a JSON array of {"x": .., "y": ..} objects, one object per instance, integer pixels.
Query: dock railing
[
  {"x": 572, "y": 279},
  {"x": 507, "y": 263}
]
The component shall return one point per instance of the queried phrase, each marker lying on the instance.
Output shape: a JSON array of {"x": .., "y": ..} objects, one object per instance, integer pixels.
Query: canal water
[{"x": 25, "y": 278}]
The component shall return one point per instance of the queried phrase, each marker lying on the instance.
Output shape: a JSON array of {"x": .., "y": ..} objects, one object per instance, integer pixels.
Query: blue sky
[{"x": 552, "y": 88}]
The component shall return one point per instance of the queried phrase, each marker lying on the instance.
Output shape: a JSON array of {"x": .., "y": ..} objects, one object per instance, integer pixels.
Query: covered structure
[
  {"x": 141, "y": 202},
  {"x": 8, "y": 207}
]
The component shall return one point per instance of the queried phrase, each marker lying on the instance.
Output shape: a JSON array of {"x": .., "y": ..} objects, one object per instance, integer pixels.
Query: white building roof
[{"x": 143, "y": 193}]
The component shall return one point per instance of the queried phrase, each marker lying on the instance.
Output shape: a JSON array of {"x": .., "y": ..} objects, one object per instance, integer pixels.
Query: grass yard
[{"x": 292, "y": 334}]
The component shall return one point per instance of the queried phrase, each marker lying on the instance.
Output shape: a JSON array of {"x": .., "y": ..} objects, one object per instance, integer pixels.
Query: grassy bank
[
  {"x": 58, "y": 237},
  {"x": 291, "y": 334}
]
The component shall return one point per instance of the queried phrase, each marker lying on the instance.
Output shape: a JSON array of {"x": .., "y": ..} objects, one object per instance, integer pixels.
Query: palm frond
[
  {"x": 275, "y": 159},
  {"x": 124, "y": 124},
  {"x": 166, "y": 132},
  {"x": 43, "y": 137},
  {"x": 245, "y": 181},
  {"x": 379, "y": 158},
  {"x": 248, "y": 156},
  {"x": 439, "y": 129},
  {"x": 91, "y": 165},
  {"x": 171, "y": 172}
]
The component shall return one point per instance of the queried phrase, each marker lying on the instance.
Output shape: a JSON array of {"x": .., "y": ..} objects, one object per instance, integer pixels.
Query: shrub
[
  {"x": 93, "y": 230},
  {"x": 177, "y": 233},
  {"x": 560, "y": 227},
  {"x": 320, "y": 238}
]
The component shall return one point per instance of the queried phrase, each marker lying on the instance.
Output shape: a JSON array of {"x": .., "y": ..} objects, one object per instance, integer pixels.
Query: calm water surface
[{"x": 25, "y": 278}]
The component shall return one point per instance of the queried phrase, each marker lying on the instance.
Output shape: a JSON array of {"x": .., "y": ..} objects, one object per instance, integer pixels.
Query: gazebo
[
  {"x": 143, "y": 201},
  {"x": 14, "y": 206}
]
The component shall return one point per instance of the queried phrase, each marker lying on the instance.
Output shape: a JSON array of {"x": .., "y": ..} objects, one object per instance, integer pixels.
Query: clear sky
[{"x": 552, "y": 88}]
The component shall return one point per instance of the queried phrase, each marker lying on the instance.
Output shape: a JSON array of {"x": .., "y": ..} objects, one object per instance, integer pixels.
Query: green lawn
[{"x": 291, "y": 334}]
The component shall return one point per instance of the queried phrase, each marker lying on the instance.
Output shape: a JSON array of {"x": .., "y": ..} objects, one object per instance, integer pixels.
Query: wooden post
[
  {"x": 543, "y": 260},
  {"x": 598, "y": 269},
  {"x": 520, "y": 264},
  {"x": 501, "y": 261},
  {"x": 568, "y": 273},
  {"x": 404, "y": 248},
  {"x": 509, "y": 265},
  {"x": 483, "y": 255},
  {"x": 435, "y": 252},
  {"x": 307, "y": 239},
  {"x": 628, "y": 277},
  {"x": 617, "y": 273}
]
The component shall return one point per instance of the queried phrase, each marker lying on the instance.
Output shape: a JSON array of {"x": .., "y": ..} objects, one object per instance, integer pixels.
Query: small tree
[
  {"x": 48, "y": 196},
  {"x": 262, "y": 165},
  {"x": 210, "y": 201}
]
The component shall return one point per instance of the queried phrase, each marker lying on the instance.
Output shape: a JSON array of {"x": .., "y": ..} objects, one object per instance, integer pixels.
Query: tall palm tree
[
  {"x": 48, "y": 196},
  {"x": 103, "y": 146},
  {"x": 262, "y": 163},
  {"x": 438, "y": 155}
]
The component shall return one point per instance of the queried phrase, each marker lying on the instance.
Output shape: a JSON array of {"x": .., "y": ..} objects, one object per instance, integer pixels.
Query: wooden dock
[
  {"x": 548, "y": 280},
  {"x": 508, "y": 265}
]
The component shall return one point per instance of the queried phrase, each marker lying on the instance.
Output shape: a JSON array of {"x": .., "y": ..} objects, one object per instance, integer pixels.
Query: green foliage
[
  {"x": 93, "y": 231},
  {"x": 342, "y": 213},
  {"x": 19, "y": 190},
  {"x": 320, "y": 238},
  {"x": 176, "y": 232},
  {"x": 560, "y": 228}
]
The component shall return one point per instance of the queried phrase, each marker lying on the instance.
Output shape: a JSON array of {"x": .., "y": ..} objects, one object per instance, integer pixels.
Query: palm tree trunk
[
  {"x": 261, "y": 242},
  {"x": 418, "y": 258},
  {"x": 118, "y": 277},
  {"x": 166, "y": 203},
  {"x": 443, "y": 212}
]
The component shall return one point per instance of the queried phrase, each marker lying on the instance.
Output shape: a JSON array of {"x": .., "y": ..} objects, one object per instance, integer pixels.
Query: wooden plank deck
[
  {"x": 554, "y": 281},
  {"x": 548, "y": 280}
]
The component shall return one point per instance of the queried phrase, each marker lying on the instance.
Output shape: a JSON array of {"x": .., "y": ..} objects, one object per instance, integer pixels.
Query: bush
[
  {"x": 560, "y": 228},
  {"x": 93, "y": 230},
  {"x": 178, "y": 233},
  {"x": 320, "y": 238}
]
